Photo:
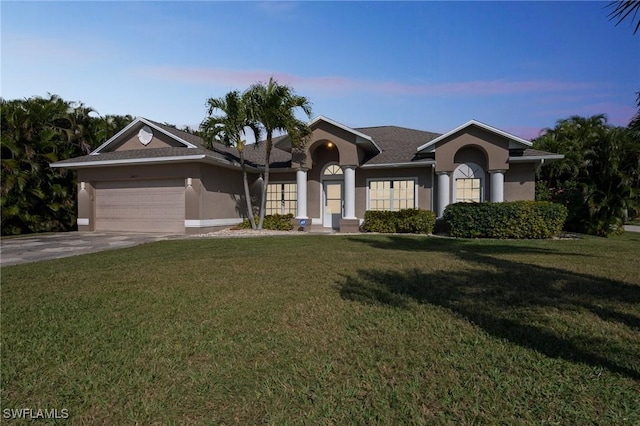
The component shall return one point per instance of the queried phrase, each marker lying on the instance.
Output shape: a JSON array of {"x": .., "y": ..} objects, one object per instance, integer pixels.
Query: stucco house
[{"x": 153, "y": 178}]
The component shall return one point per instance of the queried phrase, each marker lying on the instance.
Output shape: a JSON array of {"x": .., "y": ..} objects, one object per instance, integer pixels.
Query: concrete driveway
[{"x": 33, "y": 248}]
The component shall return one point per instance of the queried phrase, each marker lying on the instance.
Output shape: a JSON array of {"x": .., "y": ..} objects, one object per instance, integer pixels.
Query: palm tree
[
  {"x": 634, "y": 124},
  {"x": 598, "y": 178},
  {"x": 226, "y": 129},
  {"x": 623, "y": 9},
  {"x": 273, "y": 106}
]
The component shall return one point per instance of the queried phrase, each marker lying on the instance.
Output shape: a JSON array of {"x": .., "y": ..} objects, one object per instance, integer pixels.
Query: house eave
[
  {"x": 535, "y": 158},
  {"x": 201, "y": 158},
  {"x": 510, "y": 137},
  {"x": 128, "y": 161},
  {"x": 399, "y": 165}
]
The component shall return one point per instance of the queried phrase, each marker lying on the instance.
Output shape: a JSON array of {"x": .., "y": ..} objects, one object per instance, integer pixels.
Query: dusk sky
[{"x": 517, "y": 66}]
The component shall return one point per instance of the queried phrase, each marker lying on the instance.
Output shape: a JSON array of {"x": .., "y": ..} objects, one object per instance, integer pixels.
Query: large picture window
[
  {"x": 468, "y": 190},
  {"x": 392, "y": 194},
  {"x": 469, "y": 178},
  {"x": 281, "y": 198}
]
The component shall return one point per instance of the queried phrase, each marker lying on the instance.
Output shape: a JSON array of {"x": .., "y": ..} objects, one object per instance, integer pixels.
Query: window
[
  {"x": 392, "y": 194},
  {"x": 333, "y": 170},
  {"x": 281, "y": 198},
  {"x": 468, "y": 190},
  {"x": 469, "y": 178}
]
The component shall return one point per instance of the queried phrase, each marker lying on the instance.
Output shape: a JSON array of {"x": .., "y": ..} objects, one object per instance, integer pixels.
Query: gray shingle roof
[
  {"x": 530, "y": 152},
  {"x": 398, "y": 144}
]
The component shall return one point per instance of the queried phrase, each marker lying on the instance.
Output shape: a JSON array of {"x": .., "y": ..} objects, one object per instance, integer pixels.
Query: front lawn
[{"x": 329, "y": 330}]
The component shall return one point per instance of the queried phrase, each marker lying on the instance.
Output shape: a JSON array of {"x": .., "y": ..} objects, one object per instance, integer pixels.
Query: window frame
[
  {"x": 392, "y": 189},
  {"x": 283, "y": 199},
  {"x": 469, "y": 171}
]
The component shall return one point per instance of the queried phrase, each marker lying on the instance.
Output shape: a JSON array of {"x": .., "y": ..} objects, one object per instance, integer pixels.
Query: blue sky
[{"x": 518, "y": 66}]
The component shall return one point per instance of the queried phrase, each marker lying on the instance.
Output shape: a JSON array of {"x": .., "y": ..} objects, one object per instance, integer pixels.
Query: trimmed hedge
[
  {"x": 517, "y": 219},
  {"x": 409, "y": 221},
  {"x": 273, "y": 222}
]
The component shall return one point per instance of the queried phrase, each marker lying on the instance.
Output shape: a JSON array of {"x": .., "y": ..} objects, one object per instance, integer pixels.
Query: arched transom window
[
  {"x": 469, "y": 181},
  {"x": 333, "y": 170}
]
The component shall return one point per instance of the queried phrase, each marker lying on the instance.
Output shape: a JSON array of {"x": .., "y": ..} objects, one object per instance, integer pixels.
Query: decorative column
[
  {"x": 301, "y": 181},
  {"x": 349, "y": 192},
  {"x": 444, "y": 189},
  {"x": 497, "y": 185}
]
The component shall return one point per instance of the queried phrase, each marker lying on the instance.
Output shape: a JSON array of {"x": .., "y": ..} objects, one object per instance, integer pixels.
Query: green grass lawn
[{"x": 329, "y": 330}]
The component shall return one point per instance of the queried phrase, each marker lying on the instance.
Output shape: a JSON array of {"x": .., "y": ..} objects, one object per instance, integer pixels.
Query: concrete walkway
[
  {"x": 33, "y": 248},
  {"x": 632, "y": 228}
]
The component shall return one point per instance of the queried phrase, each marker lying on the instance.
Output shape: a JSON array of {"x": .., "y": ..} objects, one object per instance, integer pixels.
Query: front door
[{"x": 332, "y": 204}]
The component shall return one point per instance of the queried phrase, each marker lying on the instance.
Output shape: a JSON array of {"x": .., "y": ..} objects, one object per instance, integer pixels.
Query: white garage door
[{"x": 140, "y": 206}]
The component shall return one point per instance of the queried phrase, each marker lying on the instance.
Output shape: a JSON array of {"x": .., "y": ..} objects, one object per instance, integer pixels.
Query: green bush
[
  {"x": 274, "y": 222},
  {"x": 517, "y": 219},
  {"x": 412, "y": 221}
]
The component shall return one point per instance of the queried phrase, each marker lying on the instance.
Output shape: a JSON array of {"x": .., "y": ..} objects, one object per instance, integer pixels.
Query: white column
[
  {"x": 497, "y": 185},
  {"x": 301, "y": 181},
  {"x": 444, "y": 189},
  {"x": 349, "y": 192}
]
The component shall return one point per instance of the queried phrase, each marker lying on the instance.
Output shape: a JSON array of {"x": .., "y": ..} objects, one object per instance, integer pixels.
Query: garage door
[{"x": 140, "y": 206}]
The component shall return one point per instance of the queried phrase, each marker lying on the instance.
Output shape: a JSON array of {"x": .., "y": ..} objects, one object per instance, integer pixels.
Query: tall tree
[
  {"x": 598, "y": 178},
  {"x": 634, "y": 124},
  {"x": 36, "y": 132},
  {"x": 273, "y": 106},
  {"x": 227, "y": 128}
]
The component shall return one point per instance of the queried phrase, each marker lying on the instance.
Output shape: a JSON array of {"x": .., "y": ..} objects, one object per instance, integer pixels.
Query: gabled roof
[
  {"x": 512, "y": 138},
  {"x": 361, "y": 138},
  {"x": 175, "y": 134},
  {"x": 194, "y": 150},
  {"x": 388, "y": 146}
]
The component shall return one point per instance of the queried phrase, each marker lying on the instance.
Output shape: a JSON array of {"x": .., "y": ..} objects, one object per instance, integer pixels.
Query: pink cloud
[
  {"x": 617, "y": 114},
  {"x": 525, "y": 132},
  {"x": 243, "y": 78}
]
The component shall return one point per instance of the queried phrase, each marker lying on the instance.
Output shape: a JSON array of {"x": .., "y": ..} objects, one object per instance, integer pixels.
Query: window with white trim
[
  {"x": 281, "y": 198},
  {"x": 392, "y": 194},
  {"x": 469, "y": 178},
  {"x": 468, "y": 190},
  {"x": 333, "y": 170}
]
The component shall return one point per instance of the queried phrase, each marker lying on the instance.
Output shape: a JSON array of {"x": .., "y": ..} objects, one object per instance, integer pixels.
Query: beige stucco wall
[
  {"x": 159, "y": 140},
  {"x": 222, "y": 193},
  {"x": 215, "y": 192},
  {"x": 344, "y": 141},
  {"x": 495, "y": 148},
  {"x": 519, "y": 182}
]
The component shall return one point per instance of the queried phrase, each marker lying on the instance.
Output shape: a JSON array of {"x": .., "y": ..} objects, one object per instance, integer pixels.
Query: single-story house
[{"x": 151, "y": 177}]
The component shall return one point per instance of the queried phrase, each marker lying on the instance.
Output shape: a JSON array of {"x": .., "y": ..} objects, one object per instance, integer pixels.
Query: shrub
[
  {"x": 517, "y": 219},
  {"x": 274, "y": 222},
  {"x": 414, "y": 221}
]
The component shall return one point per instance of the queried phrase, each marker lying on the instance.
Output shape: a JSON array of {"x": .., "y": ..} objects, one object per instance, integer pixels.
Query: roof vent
[{"x": 145, "y": 135}]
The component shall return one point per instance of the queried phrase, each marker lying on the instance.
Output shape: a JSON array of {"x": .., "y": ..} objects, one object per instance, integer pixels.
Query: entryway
[{"x": 332, "y": 204}]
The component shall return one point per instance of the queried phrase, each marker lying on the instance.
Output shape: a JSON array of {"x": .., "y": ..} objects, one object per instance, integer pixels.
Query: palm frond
[{"x": 622, "y": 9}]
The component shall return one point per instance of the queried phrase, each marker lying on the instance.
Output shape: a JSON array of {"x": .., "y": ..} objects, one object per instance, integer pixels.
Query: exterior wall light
[
  {"x": 330, "y": 145},
  {"x": 189, "y": 182}
]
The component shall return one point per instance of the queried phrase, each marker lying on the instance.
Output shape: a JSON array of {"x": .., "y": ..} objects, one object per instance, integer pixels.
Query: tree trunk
[
  {"x": 247, "y": 194},
  {"x": 263, "y": 202}
]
